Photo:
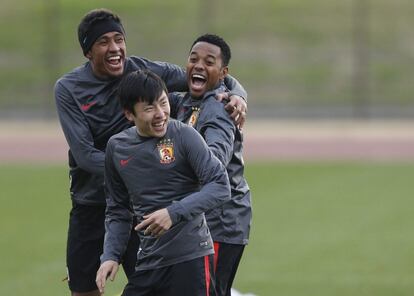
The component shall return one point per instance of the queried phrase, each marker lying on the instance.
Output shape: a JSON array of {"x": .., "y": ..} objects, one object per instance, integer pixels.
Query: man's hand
[
  {"x": 107, "y": 269},
  {"x": 236, "y": 107},
  {"x": 156, "y": 223}
]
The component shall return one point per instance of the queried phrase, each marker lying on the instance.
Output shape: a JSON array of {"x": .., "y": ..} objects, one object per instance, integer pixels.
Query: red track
[{"x": 43, "y": 142}]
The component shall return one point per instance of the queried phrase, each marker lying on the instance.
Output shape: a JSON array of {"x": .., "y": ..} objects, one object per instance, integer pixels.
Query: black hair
[
  {"x": 218, "y": 41},
  {"x": 139, "y": 86},
  {"x": 87, "y": 26}
]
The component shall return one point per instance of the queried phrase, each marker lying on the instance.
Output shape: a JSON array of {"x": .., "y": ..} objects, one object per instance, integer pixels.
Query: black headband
[{"x": 96, "y": 30}]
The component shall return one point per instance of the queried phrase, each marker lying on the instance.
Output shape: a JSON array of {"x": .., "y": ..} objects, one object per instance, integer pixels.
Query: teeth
[
  {"x": 114, "y": 58},
  {"x": 198, "y": 76}
]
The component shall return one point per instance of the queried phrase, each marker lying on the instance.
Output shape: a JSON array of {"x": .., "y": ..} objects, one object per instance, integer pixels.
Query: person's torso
[
  {"x": 156, "y": 173},
  {"x": 99, "y": 105},
  {"x": 229, "y": 223}
]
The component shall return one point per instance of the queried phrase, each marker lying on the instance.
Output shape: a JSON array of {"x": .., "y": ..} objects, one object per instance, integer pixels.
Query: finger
[
  {"x": 235, "y": 114},
  {"x": 100, "y": 282},
  {"x": 230, "y": 107},
  {"x": 148, "y": 230},
  {"x": 156, "y": 230},
  {"x": 241, "y": 104},
  {"x": 241, "y": 117},
  {"x": 143, "y": 224},
  {"x": 113, "y": 273},
  {"x": 222, "y": 97},
  {"x": 241, "y": 123}
]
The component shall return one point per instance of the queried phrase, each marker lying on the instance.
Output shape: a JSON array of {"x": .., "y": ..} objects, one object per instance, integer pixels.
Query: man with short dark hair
[
  {"x": 89, "y": 115},
  {"x": 162, "y": 171},
  {"x": 207, "y": 67}
]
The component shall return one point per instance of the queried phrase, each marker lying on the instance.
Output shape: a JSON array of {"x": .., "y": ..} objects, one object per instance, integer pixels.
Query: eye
[{"x": 102, "y": 42}]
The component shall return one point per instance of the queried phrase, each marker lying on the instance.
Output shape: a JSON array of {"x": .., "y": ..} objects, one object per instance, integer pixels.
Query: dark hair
[
  {"x": 95, "y": 23},
  {"x": 139, "y": 86},
  {"x": 218, "y": 41}
]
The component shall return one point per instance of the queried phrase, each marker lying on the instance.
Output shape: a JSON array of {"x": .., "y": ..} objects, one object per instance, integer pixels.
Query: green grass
[
  {"x": 289, "y": 52},
  {"x": 318, "y": 229}
]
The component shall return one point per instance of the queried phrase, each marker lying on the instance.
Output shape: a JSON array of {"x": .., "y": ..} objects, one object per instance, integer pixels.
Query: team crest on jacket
[
  {"x": 194, "y": 116},
  {"x": 166, "y": 151}
]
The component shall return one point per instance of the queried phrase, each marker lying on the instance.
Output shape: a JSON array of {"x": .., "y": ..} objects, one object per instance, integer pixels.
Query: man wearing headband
[{"x": 90, "y": 114}]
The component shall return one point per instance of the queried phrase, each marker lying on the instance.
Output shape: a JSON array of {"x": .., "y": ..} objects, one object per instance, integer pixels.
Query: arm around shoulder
[{"x": 77, "y": 132}]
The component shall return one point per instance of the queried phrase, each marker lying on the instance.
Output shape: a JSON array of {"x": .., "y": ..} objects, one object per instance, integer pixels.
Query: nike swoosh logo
[
  {"x": 85, "y": 107},
  {"x": 124, "y": 162}
]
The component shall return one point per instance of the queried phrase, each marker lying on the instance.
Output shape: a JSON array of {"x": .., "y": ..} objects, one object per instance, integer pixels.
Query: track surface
[{"x": 43, "y": 141}]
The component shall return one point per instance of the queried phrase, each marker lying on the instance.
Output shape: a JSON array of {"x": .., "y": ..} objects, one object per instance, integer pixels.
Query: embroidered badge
[
  {"x": 194, "y": 116},
  {"x": 166, "y": 151}
]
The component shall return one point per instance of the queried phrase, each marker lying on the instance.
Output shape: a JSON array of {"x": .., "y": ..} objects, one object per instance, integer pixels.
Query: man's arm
[
  {"x": 77, "y": 133},
  {"x": 118, "y": 222},
  {"x": 174, "y": 99},
  {"x": 215, "y": 186},
  {"x": 235, "y": 87},
  {"x": 218, "y": 130},
  {"x": 119, "y": 212}
]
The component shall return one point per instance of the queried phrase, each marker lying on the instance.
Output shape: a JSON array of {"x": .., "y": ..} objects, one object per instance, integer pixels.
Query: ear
[
  {"x": 88, "y": 55},
  {"x": 129, "y": 115},
  {"x": 223, "y": 72}
]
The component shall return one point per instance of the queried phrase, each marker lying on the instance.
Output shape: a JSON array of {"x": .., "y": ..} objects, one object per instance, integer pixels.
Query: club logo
[{"x": 166, "y": 151}]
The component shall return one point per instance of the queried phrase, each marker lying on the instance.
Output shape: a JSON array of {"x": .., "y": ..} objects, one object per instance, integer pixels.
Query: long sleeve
[
  {"x": 235, "y": 87},
  {"x": 218, "y": 130},
  {"x": 119, "y": 212},
  {"x": 77, "y": 132},
  {"x": 174, "y": 99},
  {"x": 215, "y": 187}
]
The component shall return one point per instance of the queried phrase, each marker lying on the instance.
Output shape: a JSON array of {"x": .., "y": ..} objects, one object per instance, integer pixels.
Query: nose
[
  {"x": 198, "y": 65},
  {"x": 113, "y": 46},
  {"x": 159, "y": 112}
]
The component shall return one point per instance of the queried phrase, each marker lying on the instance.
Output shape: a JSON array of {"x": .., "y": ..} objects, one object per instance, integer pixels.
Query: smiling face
[
  {"x": 107, "y": 55},
  {"x": 151, "y": 120},
  {"x": 204, "y": 68}
]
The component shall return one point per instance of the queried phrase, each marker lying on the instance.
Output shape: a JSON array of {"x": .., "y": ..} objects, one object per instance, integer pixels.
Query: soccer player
[
  {"x": 162, "y": 171},
  {"x": 207, "y": 67},
  {"x": 89, "y": 115}
]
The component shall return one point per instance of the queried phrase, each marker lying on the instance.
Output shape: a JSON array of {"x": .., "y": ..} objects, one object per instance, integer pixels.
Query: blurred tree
[
  {"x": 361, "y": 58},
  {"x": 51, "y": 43}
]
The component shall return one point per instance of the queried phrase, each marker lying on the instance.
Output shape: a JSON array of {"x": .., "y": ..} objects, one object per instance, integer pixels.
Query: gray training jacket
[
  {"x": 229, "y": 223},
  {"x": 177, "y": 172},
  {"x": 90, "y": 114}
]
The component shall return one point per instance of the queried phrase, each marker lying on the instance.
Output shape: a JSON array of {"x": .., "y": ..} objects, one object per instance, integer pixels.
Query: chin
[
  {"x": 117, "y": 73},
  {"x": 159, "y": 134}
]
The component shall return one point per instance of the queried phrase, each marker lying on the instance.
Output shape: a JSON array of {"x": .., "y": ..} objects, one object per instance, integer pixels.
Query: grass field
[
  {"x": 319, "y": 229},
  {"x": 289, "y": 52}
]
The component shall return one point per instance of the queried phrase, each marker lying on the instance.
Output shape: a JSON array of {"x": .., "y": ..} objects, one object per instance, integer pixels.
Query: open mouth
[
  {"x": 159, "y": 126},
  {"x": 114, "y": 60},
  {"x": 198, "y": 81}
]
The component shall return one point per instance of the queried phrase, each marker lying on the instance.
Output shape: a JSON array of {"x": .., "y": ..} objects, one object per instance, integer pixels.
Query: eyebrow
[
  {"x": 106, "y": 37},
  {"x": 163, "y": 97},
  {"x": 208, "y": 55}
]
